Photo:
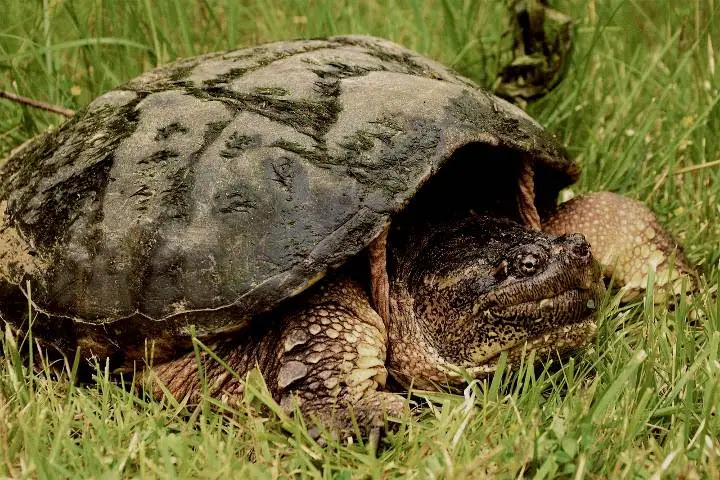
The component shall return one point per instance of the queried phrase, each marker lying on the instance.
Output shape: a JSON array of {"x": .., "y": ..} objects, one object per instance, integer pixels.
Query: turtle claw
[{"x": 370, "y": 418}]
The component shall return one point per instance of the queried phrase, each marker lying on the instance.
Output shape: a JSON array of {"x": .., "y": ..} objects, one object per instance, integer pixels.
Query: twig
[
  {"x": 658, "y": 183},
  {"x": 65, "y": 112},
  {"x": 693, "y": 168}
]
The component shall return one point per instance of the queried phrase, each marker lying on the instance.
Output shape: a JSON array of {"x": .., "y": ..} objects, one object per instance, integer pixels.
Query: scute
[{"x": 205, "y": 192}]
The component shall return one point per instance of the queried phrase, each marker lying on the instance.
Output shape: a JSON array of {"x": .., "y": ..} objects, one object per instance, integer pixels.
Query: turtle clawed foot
[
  {"x": 669, "y": 287},
  {"x": 369, "y": 418},
  {"x": 632, "y": 246}
]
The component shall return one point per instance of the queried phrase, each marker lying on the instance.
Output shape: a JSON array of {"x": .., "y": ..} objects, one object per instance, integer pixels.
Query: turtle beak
[{"x": 561, "y": 280}]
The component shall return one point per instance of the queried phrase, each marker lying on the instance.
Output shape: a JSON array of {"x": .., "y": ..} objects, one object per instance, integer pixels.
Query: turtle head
[{"x": 464, "y": 292}]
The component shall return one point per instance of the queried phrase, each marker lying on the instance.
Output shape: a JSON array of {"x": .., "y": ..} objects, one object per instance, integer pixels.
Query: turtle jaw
[
  {"x": 549, "y": 326},
  {"x": 547, "y": 313},
  {"x": 557, "y": 342}
]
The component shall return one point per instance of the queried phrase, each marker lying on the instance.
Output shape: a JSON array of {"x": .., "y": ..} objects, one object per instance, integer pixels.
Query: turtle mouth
[
  {"x": 563, "y": 308},
  {"x": 556, "y": 342},
  {"x": 550, "y": 326}
]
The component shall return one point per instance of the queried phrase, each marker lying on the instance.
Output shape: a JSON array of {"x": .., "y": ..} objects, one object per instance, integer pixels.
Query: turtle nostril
[
  {"x": 577, "y": 246},
  {"x": 581, "y": 250}
]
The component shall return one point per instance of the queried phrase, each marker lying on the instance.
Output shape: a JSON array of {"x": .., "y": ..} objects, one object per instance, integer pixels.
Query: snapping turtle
[{"x": 331, "y": 211}]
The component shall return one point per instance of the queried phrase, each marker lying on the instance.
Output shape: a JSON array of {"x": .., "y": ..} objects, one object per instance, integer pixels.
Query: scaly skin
[
  {"x": 328, "y": 356},
  {"x": 464, "y": 292},
  {"x": 461, "y": 292}
]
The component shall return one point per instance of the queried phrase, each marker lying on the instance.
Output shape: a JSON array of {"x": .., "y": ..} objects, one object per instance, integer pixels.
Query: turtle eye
[
  {"x": 529, "y": 264},
  {"x": 530, "y": 259}
]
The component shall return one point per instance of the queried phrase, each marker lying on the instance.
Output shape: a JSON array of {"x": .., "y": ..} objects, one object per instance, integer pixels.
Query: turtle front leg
[
  {"x": 628, "y": 240},
  {"x": 327, "y": 356}
]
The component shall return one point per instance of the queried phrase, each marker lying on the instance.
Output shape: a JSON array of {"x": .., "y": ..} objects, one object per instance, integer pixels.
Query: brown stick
[
  {"x": 526, "y": 196},
  {"x": 694, "y": 168},
  {"x": 379, "y": 282},
  {"x": 65, "y": 112}
]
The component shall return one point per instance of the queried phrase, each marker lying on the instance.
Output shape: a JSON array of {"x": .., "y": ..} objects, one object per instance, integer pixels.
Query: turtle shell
[{"x": 205, "y": 192}]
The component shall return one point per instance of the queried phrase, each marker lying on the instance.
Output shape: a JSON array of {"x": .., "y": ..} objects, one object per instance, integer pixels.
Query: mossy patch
[
  {"x": 237, "y": 143},
  {"x": 46, "y": 203},
  {"x": 161, "y": 156},
  {"x": 312, "y": 118},
  {"x": 273, "y": 91},
  {"x": 316, "y": 156},
  {"x": 512, "y": 132},
  {"x": 176, "y": 200},
  {"x": 174, "y": 128}
]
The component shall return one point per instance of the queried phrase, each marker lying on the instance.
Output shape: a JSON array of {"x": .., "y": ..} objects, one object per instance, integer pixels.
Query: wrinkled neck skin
[{"x": 465, "y": 290}]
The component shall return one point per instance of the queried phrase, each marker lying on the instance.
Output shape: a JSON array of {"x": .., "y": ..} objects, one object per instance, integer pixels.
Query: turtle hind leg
[
  {"x": 628, "y": 240},
  {"x": 326, "y": 356}
]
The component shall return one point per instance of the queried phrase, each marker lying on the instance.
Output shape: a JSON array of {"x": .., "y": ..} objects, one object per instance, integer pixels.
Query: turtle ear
[{"x": 501, "y": 271}]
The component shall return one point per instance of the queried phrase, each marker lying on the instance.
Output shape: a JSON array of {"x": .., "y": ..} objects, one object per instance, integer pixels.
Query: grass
[{"x": 639, "y": 109}]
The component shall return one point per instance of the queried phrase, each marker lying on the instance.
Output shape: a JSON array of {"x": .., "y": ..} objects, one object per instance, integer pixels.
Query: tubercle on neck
[{"x": 412, "y": 359}]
